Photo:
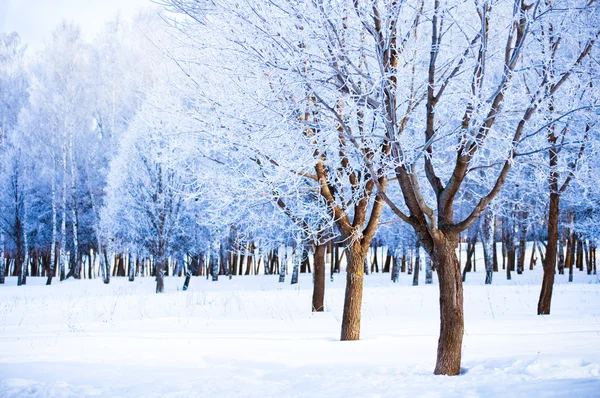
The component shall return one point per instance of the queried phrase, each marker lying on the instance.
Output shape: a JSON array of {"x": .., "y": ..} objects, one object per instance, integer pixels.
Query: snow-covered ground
[{"x": 254, "y": 337}]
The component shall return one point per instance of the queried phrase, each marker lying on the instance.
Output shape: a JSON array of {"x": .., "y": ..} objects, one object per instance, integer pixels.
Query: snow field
[{"x": 252, "y": 336}]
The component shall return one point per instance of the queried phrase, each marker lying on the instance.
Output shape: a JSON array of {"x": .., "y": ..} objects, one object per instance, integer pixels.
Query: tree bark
[
  {"x": 354, "y": 289},
  {"x": 451, "y": 306},
  {"x": 318, "y": 296},
  {"x": 550, "y": 258}
]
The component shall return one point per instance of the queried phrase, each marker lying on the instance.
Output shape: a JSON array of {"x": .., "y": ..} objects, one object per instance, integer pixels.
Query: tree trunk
[
  {"x": 487, "y": 239},
  {"x": 318, "y": 297},
  {"x": 533, "y": 258},
  {"x": 297, "y": 261},
  {"x": 283, "y": 266},
  {"x": 356, "y": 257},
  {"x": 428, "y": 271},
  {"x": 403, "y": 268},
  {"x": 550, "y": 258},
  {"x": 396, "y": 267},
  {"x": 451, "y": 306},
  {"x": 160, "y": 274},
  {"x": 561, "y": 254},
  {"x": 417, "y": 263},
  {"x": 375, "y": 263},
  {"x": 214, "y": 261},
  {"x": 572, "y": 255},
  {"x": 388, "y": 261},
  {"x": 304, "y": 264},
  {"x": 186, "y": 282},
  {"x": 588, "y": 263},
  {"x": 105, "y": 266},
  {"x": 579, "y": 253},
  {"x": 131, "y": 269},
  {"x": 470, "y": 252},
  {"x": 2, "y": 260}
]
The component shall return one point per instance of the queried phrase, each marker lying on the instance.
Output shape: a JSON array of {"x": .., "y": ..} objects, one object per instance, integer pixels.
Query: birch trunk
[
  {"x": 282, "y": 266},
  {"x": 2, "y": 260},
  {"x": 74, "y": 216},
  {"x": 63, "y": 226},
  {"x": 487, "y": 238}
]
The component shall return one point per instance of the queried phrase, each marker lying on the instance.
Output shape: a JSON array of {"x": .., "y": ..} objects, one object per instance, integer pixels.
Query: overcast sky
[{"x": 35, "y": 20}]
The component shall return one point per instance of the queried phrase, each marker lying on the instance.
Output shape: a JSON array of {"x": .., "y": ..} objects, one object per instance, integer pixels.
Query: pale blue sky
[{"x": 34, "y": 20}]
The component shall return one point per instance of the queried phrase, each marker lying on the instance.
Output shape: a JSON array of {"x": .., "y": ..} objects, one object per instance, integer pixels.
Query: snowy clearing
[{"x": 252, "y": 336}]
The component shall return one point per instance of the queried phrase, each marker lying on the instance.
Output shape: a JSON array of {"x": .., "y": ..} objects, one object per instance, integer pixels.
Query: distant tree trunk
[
  {"x": 396, "y": 268},
  {"x": 250, "y": 258},
  {"x": 533, "y": 258},
  {"x": 336, "y": 258},
  {"x": 318, "y": 297},
  {"x": 540, "y": 251},
  {"x": 186, "y": 282},
  {"x": 428, "y": 271},
  {"x": 403, "y": 268},
  {"x": 375, "y": 263},
  {"x": 388, "y": 261},
  {"x": 104, "y": 266},
  {"x": 588, "y": 263},
  {"x": 593, "y": 255},
  {"x": 510, "y": 252},
  {"x": 2, "y": 259},
  {"x": 131, "y": 269},
  {"x": 283, "y": 266},
  {"x": 504, "y": 249},
  {"x": 417, "y": 263},
  {"x": 471, "y": 241},
  {"x": 561, "y": 252},
  {"x": 25, "y": 266},
  {"x": 522, "y": 244},
  {"x": 487, "y": 240},
  {"x": 214, "y": 261},
  {"x": 579, "y": 253},
  {"x": 571, "y": 255},
  {"x": 159, "y": 264},
  {"x": 297, "y": 260},
  {"x": 494, "y": 246},
  {"x": 74, "y": 211},
  {"x": 304, "y": 265},
  {"x": 63, "y": 227},
  {"x": 54, "y": 225}
]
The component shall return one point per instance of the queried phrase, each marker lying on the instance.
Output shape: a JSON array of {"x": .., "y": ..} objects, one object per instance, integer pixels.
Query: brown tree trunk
[
  {"x": 356, "y": 257},
  {"x": 388, "y": 261},
  {"x": 550, "y": 258},
  {"x": 579, "y": 253},
  {"x": 451, "y": 306},
  {"x": 318, "y": 296}
]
